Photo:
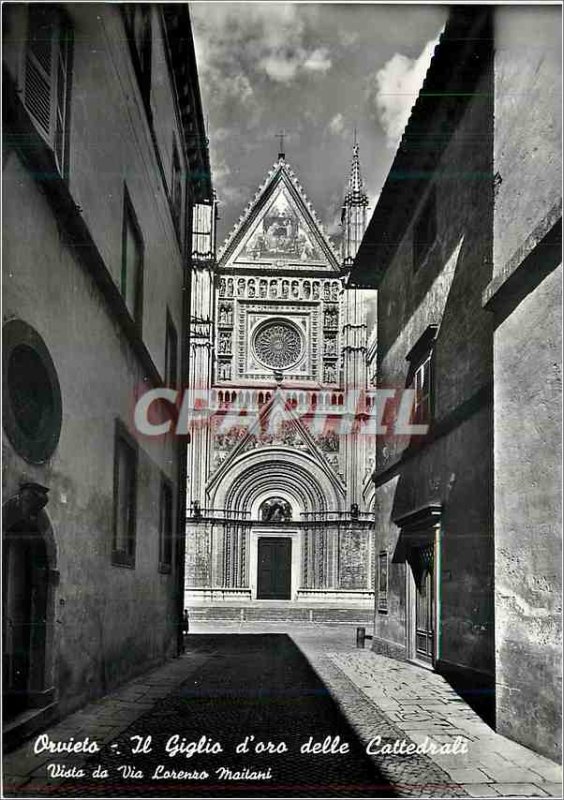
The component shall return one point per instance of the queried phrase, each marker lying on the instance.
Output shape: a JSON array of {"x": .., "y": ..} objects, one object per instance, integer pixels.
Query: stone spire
[{"x": 353, "y": 213}]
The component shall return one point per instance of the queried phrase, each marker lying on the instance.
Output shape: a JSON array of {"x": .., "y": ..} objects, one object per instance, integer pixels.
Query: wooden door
[
  {"x": 422, "y": 565},
  {"x": 274, "y": 579}
]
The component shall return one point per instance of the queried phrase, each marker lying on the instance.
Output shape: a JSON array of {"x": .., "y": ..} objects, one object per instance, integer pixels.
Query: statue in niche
[
  {"x": 263, "y": 288},
  {"x": 225, "y": 343},
  {"x": 251, "y": 289},
  {"x": 295, "y": 289},
  {"x": 230, "y": 287},
  {"x": 330, "y": 374},
  {"x": 331, "y": 317},
  {"x": 315, "y": 290},
  {"x": 273, "y": 288},
  {"x": 222, "y": 286},
  {"x": 330, "y": 347},
  {"x": 326, "y": 291},
  {"x": 285, "y": 289},
  {"x": 335, "y": 292},
  {"x": 225, "y": 372},
  {"x": 307, "y": 290},
  {"x": 241, "y": 287},
  {"x": 276, "y": 510}
]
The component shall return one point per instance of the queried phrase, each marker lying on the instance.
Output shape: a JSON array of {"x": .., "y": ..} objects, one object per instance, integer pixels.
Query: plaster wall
[
  {"x": 111, "y": 621},
  {"x": 528, "y": 551},
  {"x": 453, "y": 466}
]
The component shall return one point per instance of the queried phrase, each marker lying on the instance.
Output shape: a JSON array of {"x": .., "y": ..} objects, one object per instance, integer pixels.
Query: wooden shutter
[{"x": 39, "y": 67}]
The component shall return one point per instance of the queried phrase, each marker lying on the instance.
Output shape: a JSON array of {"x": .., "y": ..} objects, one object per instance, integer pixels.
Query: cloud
[
  {"x": 395, "y": 89},
  {"x": 318, "y": 61},
  {"x": 337, "y": 124},
  {"x": 264, "y": 39}
]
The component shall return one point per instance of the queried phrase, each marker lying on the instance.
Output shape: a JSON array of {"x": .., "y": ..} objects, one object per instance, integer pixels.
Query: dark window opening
[
  {"x": 132, "y": 262},
  {"x": 139, "y": 32},
  {"x": 176, "y": 190},
  {"x": 171, "y": 354},
  {"x": 125, "y": 501},
  {"x": 32, "y": 406},
  {"x": 165, "y": 526}
]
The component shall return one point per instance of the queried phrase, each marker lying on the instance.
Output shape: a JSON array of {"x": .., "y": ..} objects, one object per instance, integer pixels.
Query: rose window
[{"x": 278, "y": 344}]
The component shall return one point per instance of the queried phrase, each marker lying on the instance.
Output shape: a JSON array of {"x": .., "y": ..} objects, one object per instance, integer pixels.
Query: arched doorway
[{"x": 29, "y": 579}]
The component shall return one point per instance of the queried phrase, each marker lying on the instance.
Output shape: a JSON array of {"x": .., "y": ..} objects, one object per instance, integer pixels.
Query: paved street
[{"x": 258, "y": 682}]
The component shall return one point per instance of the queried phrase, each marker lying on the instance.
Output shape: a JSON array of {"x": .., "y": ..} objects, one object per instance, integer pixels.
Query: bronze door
[{"x": 274, "y": 580}]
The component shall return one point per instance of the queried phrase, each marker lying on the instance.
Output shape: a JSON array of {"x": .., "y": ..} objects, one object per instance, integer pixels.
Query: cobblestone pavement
[
  {"x": 226, "y": 685},
  {"x": 245, "y": 685}
]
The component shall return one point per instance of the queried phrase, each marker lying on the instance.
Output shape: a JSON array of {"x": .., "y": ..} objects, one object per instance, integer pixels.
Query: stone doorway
[
  {"x": 421, "y": 561},
  {"x": 274, "y": 568},
  {"x": 29, "y": 582}
]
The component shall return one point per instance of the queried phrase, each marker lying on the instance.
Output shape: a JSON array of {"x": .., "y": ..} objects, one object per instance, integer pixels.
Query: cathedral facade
[{"x": 279, "y": 490}]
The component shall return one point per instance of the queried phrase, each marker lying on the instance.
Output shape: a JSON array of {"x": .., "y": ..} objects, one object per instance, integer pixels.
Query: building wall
[
  {"x": 110, "y": 621},
  {"x": 453, "y": 467},
  {"x": 525, "y": 297}
]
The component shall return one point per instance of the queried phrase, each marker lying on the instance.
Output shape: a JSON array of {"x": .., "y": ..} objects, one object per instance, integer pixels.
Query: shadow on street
[{"x": 257, "y": 686}]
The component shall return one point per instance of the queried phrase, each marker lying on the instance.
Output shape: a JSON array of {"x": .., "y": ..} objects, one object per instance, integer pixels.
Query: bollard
[{"x": 360, "y": 637}]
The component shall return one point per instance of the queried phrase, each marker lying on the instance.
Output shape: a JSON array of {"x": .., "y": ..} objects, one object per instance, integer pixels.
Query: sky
[{"x": 316, "y": 71}]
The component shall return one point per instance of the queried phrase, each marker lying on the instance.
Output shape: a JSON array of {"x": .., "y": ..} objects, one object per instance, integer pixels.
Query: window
[
  {"x": 422, "y": 386},
  {"x": 171, "y": 353},
  {"x": 383, "y": 581},
  {"x": 132, "y": 262},
  {"x": 125, "y": 490},
  {"x": 420, "y": 375},
  {"x": 47, "y": 77},
  {"x": 166, "y": 518},
  {"x": 32, "y": 405},
  {"x": 203, "y": 231},
  {"x": 139, "y": 32},
  {"x": 425, "y": 230},
  {"x": 176, "y": 189}
]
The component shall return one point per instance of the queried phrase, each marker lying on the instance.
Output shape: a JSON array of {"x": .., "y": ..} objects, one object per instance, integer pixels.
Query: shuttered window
[{"x": 47, "y": 77}]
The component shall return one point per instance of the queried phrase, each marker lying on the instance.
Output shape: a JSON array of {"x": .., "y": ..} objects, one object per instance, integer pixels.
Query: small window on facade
[
  {"x": 166, "y": 518},
  {"x": 420, "y": 375},
  {"x": 203, "y": 231},
  {"x": 171, "y": 353},
  {"x": 176, "y": 189},
  {"x": 47, "y": 77},
  {"x": 422, "y": 410},
  {"x": 138, "y": 24},
  {"x": 383, "y": 581},
  {"x": 425, "y": 230},
  {"x": 32, "y": 404},
  {"x": 132, "y": 262},
  {"x": 125, "y": 490}
]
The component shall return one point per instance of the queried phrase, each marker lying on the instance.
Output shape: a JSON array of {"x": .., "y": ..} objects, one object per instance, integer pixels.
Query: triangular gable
[
  {"x": 279, "y": 230},
  {"x": 276, "y": 425}
]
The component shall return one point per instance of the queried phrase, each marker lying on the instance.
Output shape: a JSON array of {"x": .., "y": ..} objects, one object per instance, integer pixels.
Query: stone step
[{"x": 259, "y": 613}]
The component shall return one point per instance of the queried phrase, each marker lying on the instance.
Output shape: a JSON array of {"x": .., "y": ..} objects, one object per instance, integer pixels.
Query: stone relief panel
[{"x": 281, "y": 235}]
